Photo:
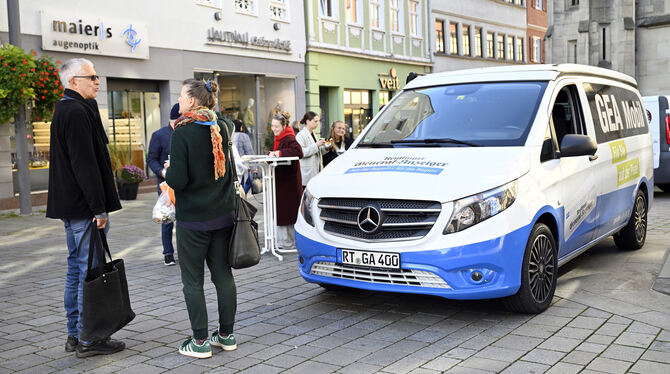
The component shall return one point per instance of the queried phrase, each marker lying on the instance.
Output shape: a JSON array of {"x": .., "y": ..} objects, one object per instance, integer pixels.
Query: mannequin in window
[{"x": 248, "y": 118}]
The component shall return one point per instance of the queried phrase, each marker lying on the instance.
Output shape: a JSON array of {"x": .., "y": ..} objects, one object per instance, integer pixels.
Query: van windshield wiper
[
  {"x": 374, "y": 145},
  {"x": 435, "y": 141}
]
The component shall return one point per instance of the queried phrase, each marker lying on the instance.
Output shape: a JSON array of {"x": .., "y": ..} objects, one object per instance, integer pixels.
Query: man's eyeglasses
[{"x": 91, "y": 77}]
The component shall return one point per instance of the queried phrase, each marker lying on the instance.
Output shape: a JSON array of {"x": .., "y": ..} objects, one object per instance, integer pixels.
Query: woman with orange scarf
[
  {"x": 205, "y": 210},
  {"x": 288, "y": 184}
]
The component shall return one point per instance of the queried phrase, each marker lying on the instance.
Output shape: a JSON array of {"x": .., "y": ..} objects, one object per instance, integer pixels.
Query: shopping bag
[
  {"x": 163, "y": 211},
  {"x": 106, "y": 303}
]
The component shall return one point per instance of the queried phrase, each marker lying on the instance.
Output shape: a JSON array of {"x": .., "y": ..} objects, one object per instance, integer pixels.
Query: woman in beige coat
[{"x": 312, "y": 149}]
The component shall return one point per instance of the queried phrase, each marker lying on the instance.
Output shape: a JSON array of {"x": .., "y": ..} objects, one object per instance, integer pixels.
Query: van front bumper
[{"x": 445, "y": 272}]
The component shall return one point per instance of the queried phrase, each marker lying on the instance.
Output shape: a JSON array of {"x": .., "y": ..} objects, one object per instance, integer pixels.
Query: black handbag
[
  {"x": 243, "y": 250},
  {"x": 106, "y": 304}
]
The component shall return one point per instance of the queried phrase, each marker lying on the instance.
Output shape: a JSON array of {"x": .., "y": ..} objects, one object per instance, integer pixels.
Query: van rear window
[{"x": 486, "y": 114}]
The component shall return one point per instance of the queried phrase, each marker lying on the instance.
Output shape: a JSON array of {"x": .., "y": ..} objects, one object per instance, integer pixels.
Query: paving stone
[
  {"x": 359, "y": 368},
  {"x": 543, "y": 356},
  {"x": 536, "y": 331},
  {"x": 522, "y": 367},
  {"x": 484, "y": 364},
  {"x": 460, "y": 353},
  {"x": 657, "y": 356},
  {"x": 311, "y": 367},
  {"x": 622, "y": 352},
  {"x": 574, "y": 333},
  {"x": 660, "y": 346},
  {"x": 441, "y": 363},
  {"x": 611, "y": 329},
  {"x": 585, "y": 322},
  {"x": 564, "y": 368},
  {"x": 502, "y": 354},
  {"x": 404, "y": 365},
  {"x": 592, "y": 347},
  {"x": 513, "y": 341},
  {"x": 458, "y": 369},
  {"x": 557, "y": 343},
  {"x": 340, "y": 356},
  {"x": 263, "y": 369},
  {"x": 609, "y": 365},
  {"x": 579, "y": 357},
  {"x": 593, "y": 312},
  {"x": 141, "y": 369},
  {"x": 643, "y": 328},
  {"x": 635, "y": 339},
  {"x": 649, "y": 367},
  {"x": 601, "y": 339}
]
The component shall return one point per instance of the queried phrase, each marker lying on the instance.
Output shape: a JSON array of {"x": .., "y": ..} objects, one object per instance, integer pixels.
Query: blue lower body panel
[{"x": 499, "y": 261}]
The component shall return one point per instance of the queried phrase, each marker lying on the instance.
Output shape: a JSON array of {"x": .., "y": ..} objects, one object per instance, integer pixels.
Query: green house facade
[{"x": 359, "y": 54}]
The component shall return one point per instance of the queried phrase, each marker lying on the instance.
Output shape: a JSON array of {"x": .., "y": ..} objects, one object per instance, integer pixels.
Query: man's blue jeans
[
  {"x": 78, "y": 238},
  {"x": 166, "y": 235}
]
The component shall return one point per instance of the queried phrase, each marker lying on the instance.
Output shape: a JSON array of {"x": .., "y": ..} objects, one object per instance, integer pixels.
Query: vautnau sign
[{"x": 94, "y": 35}]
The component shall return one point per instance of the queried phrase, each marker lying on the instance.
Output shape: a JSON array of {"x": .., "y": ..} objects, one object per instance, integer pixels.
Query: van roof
[{"x": 543, "y": 72}]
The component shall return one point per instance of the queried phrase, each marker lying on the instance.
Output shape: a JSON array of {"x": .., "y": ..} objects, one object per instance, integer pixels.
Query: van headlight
[
  {"x": 471, "y": 210},
  {"x": 306, "y": 207}
]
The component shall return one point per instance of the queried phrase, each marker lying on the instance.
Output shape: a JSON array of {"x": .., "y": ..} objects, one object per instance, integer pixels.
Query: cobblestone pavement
[{"x": 604, "y": 318}]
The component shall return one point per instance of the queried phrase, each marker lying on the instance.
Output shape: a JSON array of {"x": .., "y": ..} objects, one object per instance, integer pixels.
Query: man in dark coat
[
  {"x": 159, "y": 150},
  {"x": 82, "y": 191}
]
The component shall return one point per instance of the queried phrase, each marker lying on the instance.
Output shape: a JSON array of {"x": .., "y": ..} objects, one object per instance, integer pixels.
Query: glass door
[{"x": 357, "y": 110}]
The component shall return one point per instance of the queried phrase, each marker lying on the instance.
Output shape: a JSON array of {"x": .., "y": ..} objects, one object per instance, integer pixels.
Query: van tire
[
  {"x": 540, "y": 258},
  {"x": 664, "y": 187},
  {"x": 633, "y": 235}
]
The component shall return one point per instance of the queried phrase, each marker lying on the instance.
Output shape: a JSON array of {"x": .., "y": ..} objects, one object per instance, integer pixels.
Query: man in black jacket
[{"x": 81, "y": 189}]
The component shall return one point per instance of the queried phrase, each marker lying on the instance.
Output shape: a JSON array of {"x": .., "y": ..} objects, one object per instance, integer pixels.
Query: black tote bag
[
  {"x": 106, "y": 304},
  {"x": 243, "y": 250}
]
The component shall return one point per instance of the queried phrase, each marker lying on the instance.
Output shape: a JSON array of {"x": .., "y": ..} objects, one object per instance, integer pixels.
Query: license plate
[{"x": 368, "y": 258}]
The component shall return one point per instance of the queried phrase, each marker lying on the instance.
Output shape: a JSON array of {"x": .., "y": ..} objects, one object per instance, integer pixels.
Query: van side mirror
[{"x": 578, "y": 145}]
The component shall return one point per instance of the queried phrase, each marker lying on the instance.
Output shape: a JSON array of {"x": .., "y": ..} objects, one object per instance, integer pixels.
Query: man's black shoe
[
  {"x": 169, "y": 260},
  {"x": 71, "y": 343},
  {"x": 101, "y": 347}
]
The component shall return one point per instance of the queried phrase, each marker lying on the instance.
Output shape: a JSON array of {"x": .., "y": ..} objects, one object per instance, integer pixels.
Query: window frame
[
  {"x": 453, "y": 39},
  {"x": 379, "y": 6},
  {"x": 281, "y": 4},
  {"x": 490, "y": 45},
  {"x": 334, "y": 10},
  {"x": 395, "y": 14},
  {"x": 465, "y": 38},
  {"x": 357, "y": 12},
  {"x": 414, "y": 18},
  {"x": 537, "y": 49},
  {"x": 440, "y": 46}
]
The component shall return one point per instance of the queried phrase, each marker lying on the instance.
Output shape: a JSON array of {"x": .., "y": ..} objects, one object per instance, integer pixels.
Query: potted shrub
[{"x": 128, "y": 181}]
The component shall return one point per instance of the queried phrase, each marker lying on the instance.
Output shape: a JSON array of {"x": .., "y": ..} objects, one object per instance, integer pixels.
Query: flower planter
[{"x": 128, "y": 191}]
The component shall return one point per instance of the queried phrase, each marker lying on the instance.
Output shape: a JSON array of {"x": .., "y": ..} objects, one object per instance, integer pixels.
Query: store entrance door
[{"x": 133, "y": 117}]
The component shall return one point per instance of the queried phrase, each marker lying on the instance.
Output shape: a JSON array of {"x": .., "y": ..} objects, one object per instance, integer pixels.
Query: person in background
[
  {"x": 241, "y": 139},
  {"x": 295, "y": 125},
  {"x": 82, "y": 191},
  {"x": 339, "y": 142},
  {"x": 312, "y": 149},
  {"x": 199, "y": 171},
  {"x": 287, "y": 181},
  {"x": 159, "y": 150}
]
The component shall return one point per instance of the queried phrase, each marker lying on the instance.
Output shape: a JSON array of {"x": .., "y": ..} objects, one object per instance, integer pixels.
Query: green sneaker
[
  {"x": 228, "y": 343},
  {"x": 191, "y": 349}
]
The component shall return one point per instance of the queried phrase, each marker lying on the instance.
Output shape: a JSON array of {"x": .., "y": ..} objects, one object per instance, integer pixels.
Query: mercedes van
[
  {"x": 658, "y": 113},
  {"x": 480, "y": 183}
]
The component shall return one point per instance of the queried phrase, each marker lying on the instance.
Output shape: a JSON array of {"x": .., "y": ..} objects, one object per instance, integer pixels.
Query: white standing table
[{"x": 267, "y": 166}]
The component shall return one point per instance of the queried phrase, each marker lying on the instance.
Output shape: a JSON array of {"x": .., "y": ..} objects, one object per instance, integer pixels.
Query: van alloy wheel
[
  {"x": 539, "y": 273},
  {"x": 633, "y": 235},
  {"x": 541, "y": 268}
]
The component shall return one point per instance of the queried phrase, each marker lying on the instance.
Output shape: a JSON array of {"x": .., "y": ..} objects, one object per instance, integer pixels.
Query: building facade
[
  {"x": 593, "y": 32},
  {"x": 652, "y": 40},
  {"x": 536, "y": 20},
  {"x": 359, "y": 54},
  {"x": 478, "y": 33},
  {"x": 255, "y": 49}
]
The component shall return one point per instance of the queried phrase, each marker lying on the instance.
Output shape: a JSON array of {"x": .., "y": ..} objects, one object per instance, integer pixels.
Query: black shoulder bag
[{"x": 243, "y": 250}]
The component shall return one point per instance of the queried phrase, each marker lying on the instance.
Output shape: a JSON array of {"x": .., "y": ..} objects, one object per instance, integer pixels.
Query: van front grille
[
  {"x": 400, "y": 219},
  {"x": 405, "y": 277}
]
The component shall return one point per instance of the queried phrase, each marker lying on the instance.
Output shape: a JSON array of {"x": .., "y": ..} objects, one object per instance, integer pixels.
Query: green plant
[
  {"x": 131, "y": 174},
  {"x": 17, "y": 74}
]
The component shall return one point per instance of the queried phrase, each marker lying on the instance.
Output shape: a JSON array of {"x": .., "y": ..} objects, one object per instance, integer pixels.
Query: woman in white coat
[{"x": 312, "y": 149}]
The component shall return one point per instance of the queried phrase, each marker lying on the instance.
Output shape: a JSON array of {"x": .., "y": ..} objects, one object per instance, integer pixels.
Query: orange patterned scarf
[{"x": 205, "y": 116}]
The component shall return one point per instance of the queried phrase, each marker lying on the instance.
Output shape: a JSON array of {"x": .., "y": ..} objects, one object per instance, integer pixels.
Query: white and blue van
[{"x": 480, "y": 183}]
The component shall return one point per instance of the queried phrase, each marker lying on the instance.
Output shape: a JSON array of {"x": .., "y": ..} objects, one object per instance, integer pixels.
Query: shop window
[
  {"x": 414, "y": 24},
  {"x": 510, "y": 47},
  {"x": 519, "y": 49},
  {"x": 279, "y": 10},
  {"x": 453, "y": 39},
  {"x": 384, "y": 97},
  {"x": 327, "y": 8},
  {"x": 478, "y": 42},
  {"x": 489, "y": 45},
  {"x": 394, "y": 11},
  {"x": 439, "y": 36},
  {"x": 357, "y": 110},
  {"x": 246, "y": 7},
  {"x": 376, "y": 15},
  {"x": 466, "y": 40}
]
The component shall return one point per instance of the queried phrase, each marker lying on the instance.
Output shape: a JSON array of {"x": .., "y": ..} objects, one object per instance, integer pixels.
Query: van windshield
[{"x": 463, "y": 115}]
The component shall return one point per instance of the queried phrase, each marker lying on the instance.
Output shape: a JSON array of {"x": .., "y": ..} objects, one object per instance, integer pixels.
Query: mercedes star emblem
[{"x": 369, "y": 219}]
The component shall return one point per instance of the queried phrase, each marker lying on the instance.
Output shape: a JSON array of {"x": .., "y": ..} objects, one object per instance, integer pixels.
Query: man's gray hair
[{"x": 71, "y": 68}]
